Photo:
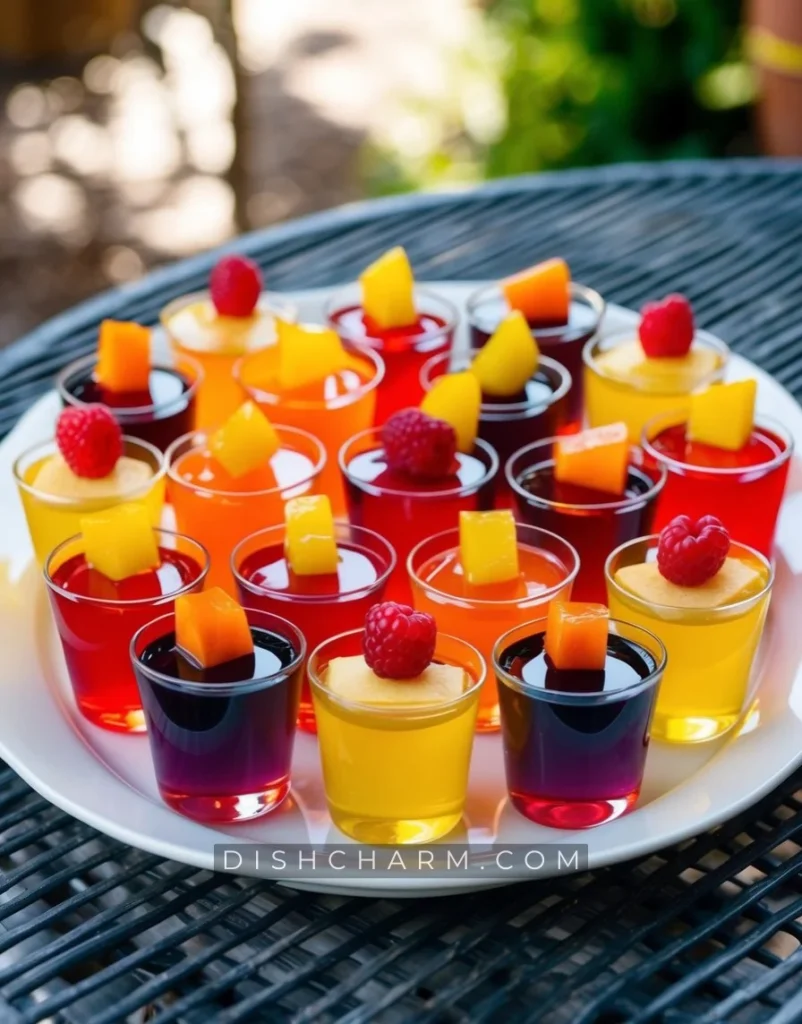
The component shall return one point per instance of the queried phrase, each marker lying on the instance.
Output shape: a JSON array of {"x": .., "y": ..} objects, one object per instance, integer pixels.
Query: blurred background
[{"x": 134, "y": 132}]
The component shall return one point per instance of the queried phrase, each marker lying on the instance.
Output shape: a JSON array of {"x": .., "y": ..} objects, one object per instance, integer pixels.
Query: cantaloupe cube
[
  {"x": 307, "y": 354},
  {"x": 541, "y": 292},
  {"x": 246, "y": 440},
  {"x": 596, "y": 458},
  {"x": 211, "y": 628},
  {"x": 576, "y": 635},
  {"x": 119, "y": 542},
  {"x": 123, "y": 356},
  {"x": 457, "y": 399},
  {"x": 388, "y": 290},
  {"x": 310, "y": 544},
  {"x": 488, "y": 547},
  {"x": 508, "y": 359},
  {"x": 723, "y": 415}
]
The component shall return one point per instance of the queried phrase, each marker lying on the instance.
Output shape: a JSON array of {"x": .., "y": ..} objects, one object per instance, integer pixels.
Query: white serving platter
[{"x": 107, "y": 780}]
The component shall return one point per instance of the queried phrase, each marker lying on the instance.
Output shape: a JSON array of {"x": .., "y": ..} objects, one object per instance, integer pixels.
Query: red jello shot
[
  {"x": 96, "y": 618},
  {"x": 744, "y": 489},
  {"x": 404, "y": 350},
  {"x": 404, "y": 509},
  {"x": 321, "y": 606}
]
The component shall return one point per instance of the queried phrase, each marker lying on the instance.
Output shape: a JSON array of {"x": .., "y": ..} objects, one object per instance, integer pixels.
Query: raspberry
[
  {"x": 398, "y": 641},
  {"x": 90, "y": 440},
  {"x": 419, "y": 445},
  {"x": 690, "y": 553},
  {"x": 666, "y": 328},
  {"x": 235, "y": 285}
]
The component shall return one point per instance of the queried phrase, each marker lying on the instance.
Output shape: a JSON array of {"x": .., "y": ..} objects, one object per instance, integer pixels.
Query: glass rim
[
  {"x": 131, "y": 412},
  {"x": 652, "y": 540},
  {"x": 118, "y": 499},
  {"x": 321, "y": 599},
  {"x": 218, "y": 689},
  {"x": 330, "y": 307},
  {"x": 579, "y": 292},
  {"x": 619, "y": 505},
  {"x": 679, "y": 418},
  {"x": 453, "y": 532},
  {"x": 566, "y": 697},
  {"x": 127, "y": 602},
  {"x": 394, "y": 711},
  {"x": 193, "y": 436},
  {"x": 464, "y": 489},
  {"x": 274, "y": 303}
]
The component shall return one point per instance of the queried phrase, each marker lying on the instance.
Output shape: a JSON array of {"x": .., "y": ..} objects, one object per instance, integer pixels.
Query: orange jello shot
[
  {"x": 217, "y": 327},
  {"x": 226, "y": 485},
  {"x": 489, "y": 575}
]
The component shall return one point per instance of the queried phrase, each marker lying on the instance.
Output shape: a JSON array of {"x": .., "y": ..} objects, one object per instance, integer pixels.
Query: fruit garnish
[
  {"x": 576, "y": 635},
  {"x": 723, "y": 415},
  {"x": 419, "y": 445},
  {"x": 735, "y": 581},
  {"x": 666, "y": 328},
  {"x": 123, "y": 356},
  {"x": 90, "y": 440},
  {"x": 352, "y": 679},
  {"x": 691, "y": 553},
  {"x": 488, "y": 547},
  {"x": 597, "y": 458},
  {"x": 211, "y": 628},
  {"x": 235, "y": 285},
  {"x": 388, "y": 290},
  {"x": 541, "y": 293},
  {"x": 508, "y": 359},
  {"x": 119, "y": 542},
  {"x": 398, "y": 642},
  {"x": 307, "y": 354},
  {"x": 246, "y": 440},
  {"x": 457, "y": 399},
  {"x": 310, "y": 545}
]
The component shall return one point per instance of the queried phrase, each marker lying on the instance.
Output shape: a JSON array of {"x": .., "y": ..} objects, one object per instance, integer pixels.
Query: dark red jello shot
[{"x": 575, "y": 741}]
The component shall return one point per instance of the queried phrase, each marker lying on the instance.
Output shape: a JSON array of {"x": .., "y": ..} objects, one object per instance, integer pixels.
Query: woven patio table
[{"x": 94, "y": 932}]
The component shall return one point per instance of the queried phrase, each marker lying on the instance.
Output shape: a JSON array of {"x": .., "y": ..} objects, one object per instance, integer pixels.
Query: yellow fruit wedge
[
  {"x": 723, "y": 415},
  {"x": 457, "y": 399},
  {"x": 211, "y": 628},
  {"x": 509, "y": 359},
  {"x": 388, "y": 290},
  {"x": 246, "y": 440},
  {"x": 488, "y": 547},
  {"x": 119, "y": 542},
  {"x": 310, "y": 544}
]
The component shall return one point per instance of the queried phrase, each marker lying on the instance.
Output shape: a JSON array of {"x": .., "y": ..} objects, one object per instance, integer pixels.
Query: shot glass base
[
  {"x": 692, "y": 728},
  {"x": 131, "y": 720},
  {"x": 572, "y": 814},
  {"x": 401, "y": 832},
  {"x": 214, "y": 809}
]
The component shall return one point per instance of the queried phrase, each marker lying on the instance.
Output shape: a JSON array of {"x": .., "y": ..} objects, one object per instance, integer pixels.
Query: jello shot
[
  {"x": 562, "y": 315},
  {"x": 707, "y": 597},
  {"x": 640, "y": 374},
  {"x": 406, "y": 324},
  {"x": 219, "y": 326},
  {"x": 489, "y": 573},
  {"x": 720, "y": 460},
  {"x": 577, "y": 693},
  {"x": 220, "y": 688},
  {"x": 226, "y": 485},
  {"x": 89, "y": 467},
  {"x": 321, "y": 574},
  {"x": 104, "y": 585},
  {"x": 395, "y": 739},
  {"x": 593, "y": 489}
]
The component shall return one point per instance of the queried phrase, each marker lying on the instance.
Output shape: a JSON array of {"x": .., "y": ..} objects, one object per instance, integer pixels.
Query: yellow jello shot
[{"x": 711, "y": 632}]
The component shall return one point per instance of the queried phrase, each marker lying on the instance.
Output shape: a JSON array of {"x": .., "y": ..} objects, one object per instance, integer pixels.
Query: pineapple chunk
[
  {"x": 596, "y": 458},
  {"x": 457, "y": 399},
  {"x": 308, "y": 354},
  {"x": 352, "y": 680},
  {"x": 211, "y": 628},
  {"x": 488, "y": 547},
  {"x": 723, "y": 415},
  {"x": 576, "y": 635},
  {"x": 509, "y": 359},
  {"x": 310, "y": 544},
  {"x": 735, "y": 581},
  {"x": 246, "y": 441},
  {"x": 388, "y": 290},
  {"x": 123, "y": 356},
  {"x": 119, "y": 542}
]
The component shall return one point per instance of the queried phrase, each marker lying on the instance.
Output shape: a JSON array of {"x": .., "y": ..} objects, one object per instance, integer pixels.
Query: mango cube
[
  {"x": 508, "y": 360},
  {"x": 488, "y": 547},
  {"x": 310, "y": 544},
  {"x": 246, "y": 440},
  {"x": 576, "y": 635},
  {"x": 119, "y": 542},
  {"x": 123, "y": 356},
  {"x": 388, "y": 290},
  {"x": 308, "y": 354},
  {"x": 541, "y": 293},
  {"x": 211, "y": 628},
  {"x": 457, "y": 399},
  {"x": 596, "y": 458},
  {"x": 723, "y": 415}
]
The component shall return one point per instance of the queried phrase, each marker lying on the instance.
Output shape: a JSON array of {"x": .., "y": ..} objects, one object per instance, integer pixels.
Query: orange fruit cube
[
  {"x": 597, "y": 458},
  {"x": 541, "y": 292},
  {"x": 123, "y": 356},
  {"x": 576, "y": 635},
  {"x": 211, "y": 628}
]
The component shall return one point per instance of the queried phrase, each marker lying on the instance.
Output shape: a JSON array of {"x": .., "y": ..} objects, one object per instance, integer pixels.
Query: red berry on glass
[
  {"x": 691, "y": 553},
  {"x": 419, "y": 445},
  {"x": 666, "y": 328},
  {"x": 398, "y": 642},
  {"x": 235, "y": 284},
  {"x": 90, "y": 440}
]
